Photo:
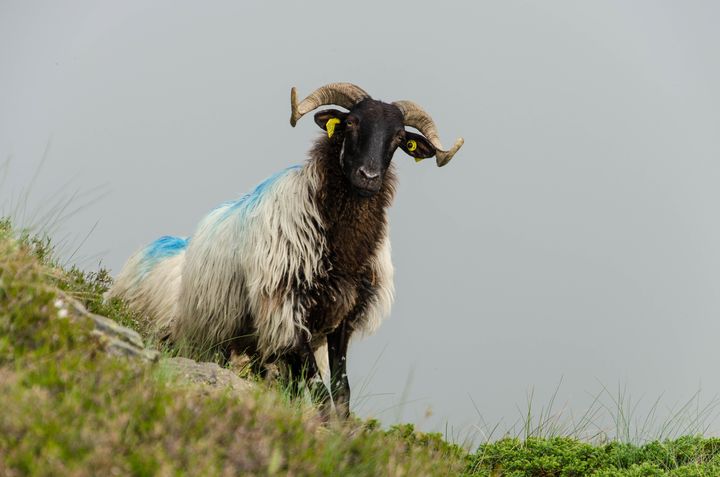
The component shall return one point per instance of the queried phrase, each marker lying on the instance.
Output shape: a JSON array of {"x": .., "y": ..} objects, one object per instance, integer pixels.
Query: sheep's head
[
  {"x": 368, "y": 136},
  {"x": 370, "y": 132}
]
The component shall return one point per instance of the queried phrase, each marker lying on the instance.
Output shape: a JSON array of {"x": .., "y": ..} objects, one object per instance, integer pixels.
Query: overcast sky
[{"x": 575, "y": 236}]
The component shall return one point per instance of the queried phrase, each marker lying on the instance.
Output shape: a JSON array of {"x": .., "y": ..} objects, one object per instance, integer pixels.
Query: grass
[
  {"x": 70, "y": 409},
  {"x": 567, "y": 457},
  {"x": 610, "y": 416}
]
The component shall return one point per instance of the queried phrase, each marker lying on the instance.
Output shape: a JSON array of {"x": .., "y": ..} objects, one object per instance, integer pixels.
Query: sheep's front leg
[
  {"x": 337, "y": 355},
  {"x": 303, "y": 367}
]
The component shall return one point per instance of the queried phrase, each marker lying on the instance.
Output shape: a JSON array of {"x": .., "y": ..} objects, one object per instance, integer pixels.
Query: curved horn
[
  {"x": 416, "y": 117},
  {"x": 346, "y": 95}
]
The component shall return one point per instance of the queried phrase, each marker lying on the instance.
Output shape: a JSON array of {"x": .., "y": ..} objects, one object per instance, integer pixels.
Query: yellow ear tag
[
  {"x": 411, "y": 146},
  {"x": 330, "y": 126}
]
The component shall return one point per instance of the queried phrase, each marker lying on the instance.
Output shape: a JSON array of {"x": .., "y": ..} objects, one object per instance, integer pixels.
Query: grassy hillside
[{"x": 70, "y": 408}]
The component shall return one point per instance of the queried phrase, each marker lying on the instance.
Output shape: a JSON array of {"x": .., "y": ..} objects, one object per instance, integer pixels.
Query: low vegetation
[
  {"x": 566, "y": 457},
  {"x": 69, "y": 408}
]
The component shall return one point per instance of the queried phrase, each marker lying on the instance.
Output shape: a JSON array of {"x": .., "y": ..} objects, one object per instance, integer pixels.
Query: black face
[{"x": 369, "y": 134}]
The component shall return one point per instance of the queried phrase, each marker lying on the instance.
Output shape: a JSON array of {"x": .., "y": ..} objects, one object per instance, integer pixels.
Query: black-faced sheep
[{"x": 303, "y": 260}]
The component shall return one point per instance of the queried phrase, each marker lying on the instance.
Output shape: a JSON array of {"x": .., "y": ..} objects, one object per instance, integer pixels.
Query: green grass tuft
[{"x": 566, "y": 457}]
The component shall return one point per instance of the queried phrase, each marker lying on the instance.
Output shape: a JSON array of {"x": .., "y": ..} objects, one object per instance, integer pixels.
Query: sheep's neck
[{"x": 354, "y": 225}]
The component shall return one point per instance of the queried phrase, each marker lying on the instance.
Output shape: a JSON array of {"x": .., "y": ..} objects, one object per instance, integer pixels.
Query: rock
[
  {"x": 113, "y": 328},
  {"x": 122, "y": 341},
  {"x": 118, "y": 340},
  {"x": 206, "y": 373}
]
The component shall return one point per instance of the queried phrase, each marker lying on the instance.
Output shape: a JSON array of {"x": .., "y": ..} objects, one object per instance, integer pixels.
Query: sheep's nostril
[{"x": 368, "y": 175}]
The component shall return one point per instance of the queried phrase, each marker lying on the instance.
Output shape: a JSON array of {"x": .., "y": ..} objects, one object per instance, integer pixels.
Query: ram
[{"x": 303, "y": 261}]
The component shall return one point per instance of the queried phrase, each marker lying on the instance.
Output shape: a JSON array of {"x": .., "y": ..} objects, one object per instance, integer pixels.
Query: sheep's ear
[
  {"x": 417, "y": 146},
  {"x": 331, "y": 120}
]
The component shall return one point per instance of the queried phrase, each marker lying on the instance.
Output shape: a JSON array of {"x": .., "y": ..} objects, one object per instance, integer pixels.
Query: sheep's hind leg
[
  {"x": 337, "y": 354},
  {"x": 303, "y": 368}
]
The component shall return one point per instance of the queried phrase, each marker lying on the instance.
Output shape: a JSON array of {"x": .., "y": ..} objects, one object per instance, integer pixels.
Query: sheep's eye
[{"x": 349, "y": 123}]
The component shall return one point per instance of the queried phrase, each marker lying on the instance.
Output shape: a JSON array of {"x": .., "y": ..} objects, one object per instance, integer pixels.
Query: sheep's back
[{"x": 244, "y": 263}]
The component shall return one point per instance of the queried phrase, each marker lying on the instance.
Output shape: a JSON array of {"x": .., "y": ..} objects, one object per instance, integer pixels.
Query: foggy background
[{"x": 574, "y": 237}]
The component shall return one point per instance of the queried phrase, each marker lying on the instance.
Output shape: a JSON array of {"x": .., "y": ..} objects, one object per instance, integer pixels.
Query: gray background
[{"x": 574, "y": 237}]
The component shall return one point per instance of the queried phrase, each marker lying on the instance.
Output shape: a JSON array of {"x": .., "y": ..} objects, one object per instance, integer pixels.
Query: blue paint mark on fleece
[
  {"x": 164, "y": 247},
  {"x": 250, "y": 200}
]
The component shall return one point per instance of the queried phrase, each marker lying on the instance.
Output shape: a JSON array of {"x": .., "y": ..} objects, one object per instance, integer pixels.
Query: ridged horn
[
  {"x": 346, "y": 95},
  {"x": 416, "y": 117}
]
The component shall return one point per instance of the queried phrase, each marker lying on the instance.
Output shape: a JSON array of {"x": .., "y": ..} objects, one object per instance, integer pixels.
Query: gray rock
[
  {"x": 206, "y": 373},
  {"x": 118, "y": 340},
  {"x": 112, "y": 328}
]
